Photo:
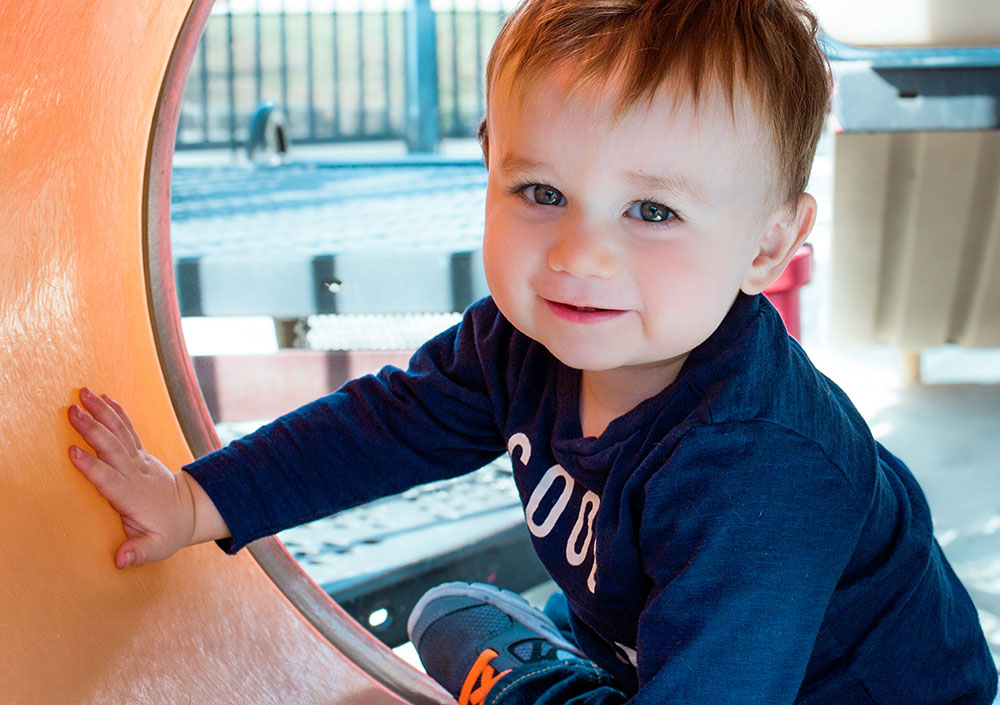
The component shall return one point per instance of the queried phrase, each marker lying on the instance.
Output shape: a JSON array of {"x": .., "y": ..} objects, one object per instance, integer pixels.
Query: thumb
[{"x": 133, "y": 553}]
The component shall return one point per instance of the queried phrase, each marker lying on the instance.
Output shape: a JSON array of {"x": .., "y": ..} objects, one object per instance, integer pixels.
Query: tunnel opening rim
[{"x": 333, "y": 623}]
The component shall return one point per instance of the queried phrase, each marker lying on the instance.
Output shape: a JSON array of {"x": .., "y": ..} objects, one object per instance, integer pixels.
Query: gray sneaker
[{"x": 470, "y": 635}]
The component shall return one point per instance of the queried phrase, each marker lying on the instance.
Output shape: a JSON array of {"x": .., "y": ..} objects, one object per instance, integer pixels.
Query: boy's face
[{"x": 623, "y": 243}]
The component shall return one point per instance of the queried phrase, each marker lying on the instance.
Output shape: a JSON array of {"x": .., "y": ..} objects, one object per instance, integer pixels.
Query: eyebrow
[
  {"x": 514, "y": 162},
  {"x": 676, "y": 184}
]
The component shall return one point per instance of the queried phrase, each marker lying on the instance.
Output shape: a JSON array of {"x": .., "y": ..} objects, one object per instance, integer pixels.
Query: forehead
[{"x": 548, "y": 112}]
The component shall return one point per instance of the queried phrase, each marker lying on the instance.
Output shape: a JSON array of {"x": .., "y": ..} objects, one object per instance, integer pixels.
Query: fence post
[{"x": 422, "y": 131}]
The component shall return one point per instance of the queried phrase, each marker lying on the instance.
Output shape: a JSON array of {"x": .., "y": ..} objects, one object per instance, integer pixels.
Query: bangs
[{"x": 765, "y": 49}]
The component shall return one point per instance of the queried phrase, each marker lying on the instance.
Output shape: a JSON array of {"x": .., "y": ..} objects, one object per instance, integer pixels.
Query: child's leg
[
  {"x": 557, "y": 609},
  {"x": 486, "y": 645}
]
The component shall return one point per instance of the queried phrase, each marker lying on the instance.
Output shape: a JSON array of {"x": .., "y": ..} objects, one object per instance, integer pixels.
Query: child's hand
[{"x": 158, "y": 508}]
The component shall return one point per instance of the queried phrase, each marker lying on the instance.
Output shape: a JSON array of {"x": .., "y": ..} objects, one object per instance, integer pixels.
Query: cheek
[
  {"x": 493, "y": 267},
  {"x": 493, "y": 240},
  {"x": 687, "y": 283},
  {"x": 670, "y": 272},
  {"x": 511, "y": 246},
  {"x": 504, "y": 256}
]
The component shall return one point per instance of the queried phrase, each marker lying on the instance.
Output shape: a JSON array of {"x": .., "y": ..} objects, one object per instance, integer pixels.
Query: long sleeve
[
  {"x": 376, "y": 436},
  {"x": 746, "y": 533}
]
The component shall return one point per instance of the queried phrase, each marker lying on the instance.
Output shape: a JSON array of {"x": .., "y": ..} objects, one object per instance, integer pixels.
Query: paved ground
[{"x": 946, "y": 429}]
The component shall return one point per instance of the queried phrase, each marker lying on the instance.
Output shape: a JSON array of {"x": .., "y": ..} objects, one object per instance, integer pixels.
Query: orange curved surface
[{"x": 79, "y": 85}]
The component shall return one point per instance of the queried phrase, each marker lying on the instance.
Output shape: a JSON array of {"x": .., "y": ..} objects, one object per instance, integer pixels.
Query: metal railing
[{"x": 374, "y": 70}]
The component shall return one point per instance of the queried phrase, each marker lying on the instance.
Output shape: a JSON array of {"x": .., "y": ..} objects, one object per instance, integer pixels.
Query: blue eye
[
  {"x": 650, "y": 211},
  {"x": 543, "y": 194}
]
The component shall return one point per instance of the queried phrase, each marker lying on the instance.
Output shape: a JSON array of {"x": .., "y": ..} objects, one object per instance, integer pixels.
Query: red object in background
[{"x": 784, "y": 292}]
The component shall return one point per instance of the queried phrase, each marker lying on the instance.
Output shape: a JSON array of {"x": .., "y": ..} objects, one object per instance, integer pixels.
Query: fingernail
[{"x": 127, "y": 559}]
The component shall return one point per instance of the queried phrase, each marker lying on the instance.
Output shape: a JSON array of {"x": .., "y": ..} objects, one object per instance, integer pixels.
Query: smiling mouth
[
  {"x": 582, "y": 309},
  {"x": 583, "y": 313},
  {"x": 587, "y": 309}
]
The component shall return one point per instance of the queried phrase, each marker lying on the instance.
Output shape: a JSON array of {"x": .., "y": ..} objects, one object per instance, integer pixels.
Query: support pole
[{"x": 422, "y": 106}]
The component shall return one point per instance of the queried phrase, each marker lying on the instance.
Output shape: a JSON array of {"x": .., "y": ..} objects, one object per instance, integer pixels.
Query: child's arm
[
  {"x": 747, "y": 529},
  {"x": 162, "y": 512}
]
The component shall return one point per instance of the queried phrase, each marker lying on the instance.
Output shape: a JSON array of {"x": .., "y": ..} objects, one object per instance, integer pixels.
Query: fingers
[
  {"x": 142, "y": 546},
  {"x": 104, "y": 477},
  {"x": 136, "y": 485},
  {"x": 125, "y": 558},
  {"x": 109, "y": 417},
  {"x": 126, "y": 421},
  {"x": 107, "y": 428},
  {"x": 131, "y": 554},
  {"x": 109, "y": 448}
]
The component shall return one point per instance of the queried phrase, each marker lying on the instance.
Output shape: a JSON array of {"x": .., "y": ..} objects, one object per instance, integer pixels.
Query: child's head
[
  {"x": 646, "y": 162},
  {"x": 764, "y": 49}
]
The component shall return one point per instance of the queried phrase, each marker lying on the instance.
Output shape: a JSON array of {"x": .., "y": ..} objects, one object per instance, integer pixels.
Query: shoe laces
[{"x": 482, "y": 676}]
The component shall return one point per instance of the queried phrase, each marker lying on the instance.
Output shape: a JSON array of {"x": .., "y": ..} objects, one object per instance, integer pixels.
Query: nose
[{"x": 581, "y": 252}]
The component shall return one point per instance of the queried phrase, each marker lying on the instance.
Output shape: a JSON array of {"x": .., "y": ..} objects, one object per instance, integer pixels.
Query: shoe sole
[{"x": 508, "y": 602}]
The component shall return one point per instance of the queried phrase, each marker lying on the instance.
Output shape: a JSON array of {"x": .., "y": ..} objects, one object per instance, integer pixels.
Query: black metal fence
[{"x": 376, "y": 70}]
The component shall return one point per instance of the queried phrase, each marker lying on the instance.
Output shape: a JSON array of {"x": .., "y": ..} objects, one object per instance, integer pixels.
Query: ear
[
  {"x": 779, "y": 243},
  {"x": 483, "y": 133}
]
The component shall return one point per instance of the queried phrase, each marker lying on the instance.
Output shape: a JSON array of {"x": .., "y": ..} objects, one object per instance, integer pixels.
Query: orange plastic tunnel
[{"x": 89, "y": 99}]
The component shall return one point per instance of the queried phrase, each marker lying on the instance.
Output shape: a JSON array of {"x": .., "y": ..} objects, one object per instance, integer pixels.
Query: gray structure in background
[{"x": 422, "y": 99}]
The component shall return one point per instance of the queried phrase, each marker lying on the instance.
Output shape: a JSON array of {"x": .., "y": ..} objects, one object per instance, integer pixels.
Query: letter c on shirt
[{"x": 519, "y": 440}]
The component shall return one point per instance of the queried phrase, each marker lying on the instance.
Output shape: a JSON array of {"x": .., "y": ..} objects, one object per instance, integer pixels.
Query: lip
[{"x": 583, "y": 314}]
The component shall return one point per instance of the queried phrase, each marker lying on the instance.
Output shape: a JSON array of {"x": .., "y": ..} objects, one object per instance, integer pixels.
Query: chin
[{"x": 591, "y": 360}]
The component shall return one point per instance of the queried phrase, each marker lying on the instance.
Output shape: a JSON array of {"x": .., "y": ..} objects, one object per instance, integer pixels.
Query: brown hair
[{"x": 766, "y": 48}]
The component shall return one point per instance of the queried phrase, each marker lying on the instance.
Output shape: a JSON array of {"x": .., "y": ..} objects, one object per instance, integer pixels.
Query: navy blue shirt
[{"x": 738, "y": 538}]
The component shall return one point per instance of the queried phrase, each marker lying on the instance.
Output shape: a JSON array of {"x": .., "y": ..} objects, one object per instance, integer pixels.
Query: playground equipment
[{"x": 90, "y": 94}]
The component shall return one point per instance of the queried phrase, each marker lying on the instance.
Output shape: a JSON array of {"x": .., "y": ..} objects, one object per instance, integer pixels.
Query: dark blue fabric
[
  {"x": 738, "y": 538},
  {"x": 556, "y": 683},
  {"x": 557, "y": 609}
]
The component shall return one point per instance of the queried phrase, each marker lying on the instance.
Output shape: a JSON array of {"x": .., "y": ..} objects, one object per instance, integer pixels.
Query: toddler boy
[{"x": 722, "y": 525}]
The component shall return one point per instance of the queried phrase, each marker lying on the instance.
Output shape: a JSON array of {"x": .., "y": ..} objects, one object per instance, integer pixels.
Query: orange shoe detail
[{"x": 482, "y": 673}]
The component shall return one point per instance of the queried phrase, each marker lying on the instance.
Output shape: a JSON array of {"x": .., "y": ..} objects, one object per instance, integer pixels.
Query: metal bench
[{"x": 311, "y": 238}]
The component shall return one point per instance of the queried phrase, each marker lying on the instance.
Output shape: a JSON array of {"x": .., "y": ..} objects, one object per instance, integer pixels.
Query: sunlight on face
[{"x": 621, "y": 243}]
